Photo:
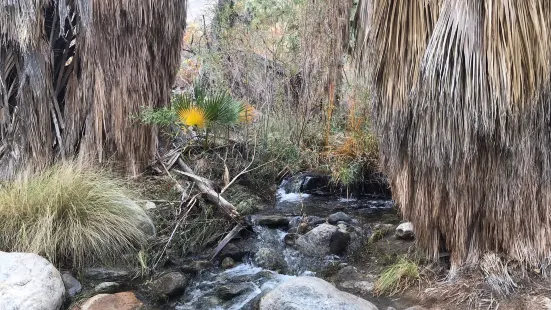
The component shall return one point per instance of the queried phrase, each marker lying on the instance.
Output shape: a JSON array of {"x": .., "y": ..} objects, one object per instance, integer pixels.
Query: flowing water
[{"x": 242, "y": 286}]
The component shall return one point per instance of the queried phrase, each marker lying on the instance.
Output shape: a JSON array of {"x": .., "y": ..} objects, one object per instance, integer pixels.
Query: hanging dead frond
[
  {"x": 463, "y": 110},
  {"x": 73, "y": 72}
]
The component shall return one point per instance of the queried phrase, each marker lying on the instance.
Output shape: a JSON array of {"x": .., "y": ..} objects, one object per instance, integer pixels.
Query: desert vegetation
[{"x": 162, "y": 154}]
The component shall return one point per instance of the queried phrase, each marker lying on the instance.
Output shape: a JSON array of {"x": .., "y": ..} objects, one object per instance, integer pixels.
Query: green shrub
[{"x": 72, "y": 216}]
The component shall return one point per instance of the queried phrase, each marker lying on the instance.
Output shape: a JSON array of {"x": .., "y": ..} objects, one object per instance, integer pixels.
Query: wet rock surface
[
  {"x": 309, "y": 293},
  {"x": 322, "y": 240},
  {"x": 270, "y": 259},
  {"x": 72, "y": 285},
  {"x": 107, "y": 288},
  {"x": 169, "y": 284},
  {"x": 335, "y": 218}
]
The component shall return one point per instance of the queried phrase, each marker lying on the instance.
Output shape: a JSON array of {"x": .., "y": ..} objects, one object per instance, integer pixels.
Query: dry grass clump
[
  {"x": 71, "y": 215},
  {"x": 398, "y": 277}
]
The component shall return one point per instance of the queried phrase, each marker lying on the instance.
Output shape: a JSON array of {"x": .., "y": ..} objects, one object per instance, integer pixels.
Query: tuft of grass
[
  {"x": 72, "y": 216},
  {"x": 397, "y": 278}
]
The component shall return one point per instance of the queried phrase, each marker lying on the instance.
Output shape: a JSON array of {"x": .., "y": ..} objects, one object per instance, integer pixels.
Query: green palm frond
[
  {"x": 182, "y": 102},
  {"x": 221, "y": 108}
]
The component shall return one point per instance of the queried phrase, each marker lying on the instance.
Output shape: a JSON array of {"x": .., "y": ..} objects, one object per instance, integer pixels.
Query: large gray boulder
[
  {"x": 28, "y": 281},
  {"x": 323, "y": 240},
  {"x": 309, "y": 293}
]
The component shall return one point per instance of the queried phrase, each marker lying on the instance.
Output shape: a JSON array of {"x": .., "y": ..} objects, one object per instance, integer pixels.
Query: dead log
[{"x": 205, "y": 186}]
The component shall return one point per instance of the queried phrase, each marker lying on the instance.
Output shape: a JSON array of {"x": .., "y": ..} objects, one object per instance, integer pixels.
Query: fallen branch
[
  {"x": 226, "y": 240},
  {"x": 205, "y": 188}
]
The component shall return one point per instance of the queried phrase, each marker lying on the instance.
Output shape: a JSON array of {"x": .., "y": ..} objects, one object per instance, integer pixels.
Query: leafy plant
[{"x": 202, "y": 108}]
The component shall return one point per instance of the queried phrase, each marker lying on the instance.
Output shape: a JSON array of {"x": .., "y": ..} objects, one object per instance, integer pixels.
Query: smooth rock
[
  {"x": 145, "y": 223},
  {"x": 316, "y": 242},
  {"x": 390, "y": 308},
  {"x": 227, "y": 263},
  {"x": 309, "y": 293},
  {"x": 270, "y": 259},
  {"x": 338, "y": 217},
  {"x": 72, "y": 286},
  {"x": 293, "y": 230},
  {"x": 339, "y": 242},
  {"x": 231, "y": 290},
  {"x": 107, "y": 288},
  {"x": 416, "y": 308},
  {"x": 119, "y": 301},
  {"x": 150, "y": 205},
  {"x": 28, "y": 281},
  {"x": 405, "y": 231},
  {"x": 169, "y": 284},
  {"x": 107, "y": 274}
]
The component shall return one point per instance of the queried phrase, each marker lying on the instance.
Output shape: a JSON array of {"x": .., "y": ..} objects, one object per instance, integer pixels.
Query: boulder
[
  {"x": 309, "y": 293},
  {"x": 119, "y": 301},
  {"x": 323, "y": 240},
  {"x": 405, "y": 231},
  {"x": 145, "y": 223},
  {"x": 270, "y": 259},
  {"x": 28, "y": 281},
  {"x": 72, "y": 286},
  {"x": 169, "y": 284},
  {"x": 227, "y": 263},
  {"x": 107, "y": 288},
  {"x": 338, "y": 217},
  {"x": 339, "y": 242}
]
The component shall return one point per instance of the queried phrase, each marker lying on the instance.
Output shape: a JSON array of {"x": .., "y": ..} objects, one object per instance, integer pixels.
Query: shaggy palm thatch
[
  {"x": 72, "y": 216},
  {"x": 73, "y": 72},
  {"x": 463, "y": 111}
]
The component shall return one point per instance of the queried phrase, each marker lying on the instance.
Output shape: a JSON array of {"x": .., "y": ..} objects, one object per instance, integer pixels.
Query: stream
[{"x": 242, "y": 286}]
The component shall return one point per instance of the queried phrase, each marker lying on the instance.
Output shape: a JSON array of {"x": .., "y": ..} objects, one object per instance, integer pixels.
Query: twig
[
  {"x": 178, "y": 186},
  {"x": 226, "y": 240},
  {"x": 190, "y": 205},
  {"x": 242, "y": 171}
]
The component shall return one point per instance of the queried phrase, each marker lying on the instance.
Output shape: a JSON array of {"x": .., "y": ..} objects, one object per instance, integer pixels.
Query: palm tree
[
  {"x": 72, "y": 72},
  {"x": 462, "y": 109}
]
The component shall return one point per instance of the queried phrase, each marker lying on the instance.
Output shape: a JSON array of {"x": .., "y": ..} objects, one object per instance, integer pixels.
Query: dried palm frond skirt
[{"x": 74, "y": 72}]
